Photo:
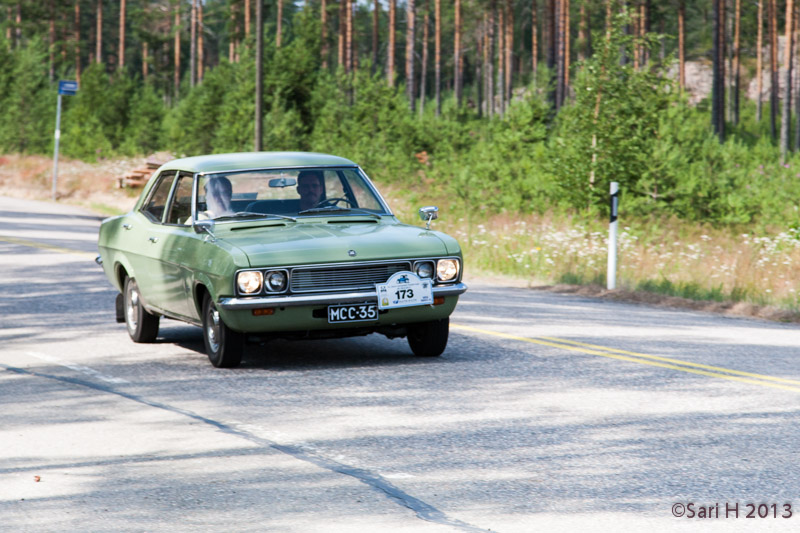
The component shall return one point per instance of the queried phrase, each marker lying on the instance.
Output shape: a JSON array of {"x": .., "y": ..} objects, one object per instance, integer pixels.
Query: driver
[{"x": 310, "y": 188}]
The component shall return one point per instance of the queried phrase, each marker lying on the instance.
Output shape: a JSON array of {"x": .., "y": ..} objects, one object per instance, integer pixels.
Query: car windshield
[{"x": 286, "y": 193}]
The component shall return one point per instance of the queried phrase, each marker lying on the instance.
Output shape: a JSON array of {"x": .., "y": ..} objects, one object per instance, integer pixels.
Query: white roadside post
[
  {"x": 68, "y": 88},
  {"x": 612, "y": 237}
]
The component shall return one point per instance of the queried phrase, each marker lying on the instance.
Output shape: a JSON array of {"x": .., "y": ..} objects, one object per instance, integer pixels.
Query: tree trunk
[
  {"x": 391, "y": 55},
  {"x": 259, "y": 115},
  {"x": 718, "y": 90},
  {"x": 193, "y": 45},
  {"x": 18, "y": 26},
  {"x": 278, "y": 30},
  {"x": 643, "y": 27},
  {"x": 773, "y": 93},
  {"x": 232, "y": 35},
  {"x": 78, "y": 41},
  {"x": 501, "y": 49},
  {"x": 797, "y": 77},
  {"x": 121, "y": 53},
  {"x": 177, "y": 46},
  {"x": 760, "y": 60},
  {"x": 200, "y": 51},
  {"x": 247, "y": 16},
  {"x": 145, "y": 59},
  {"x": 550, "y": 26},
  {"x": 98, "y": 51},
  {"x": 535, "y": 40},
  {"x": 559, "y": 44},
  {"x": 479, "y": 38},
  {"x": 342, "y": 40},
  {"x": 567, "y": 63},
  {"x": 735, "y": 70},
  {"x": 411, "y": 14},
  {"x": 423, "y": 73},
  {"x": 682, "y": 45},
  {"x": 490, "y": 61},
  {"x": 376, "y": 9},
  {"x": 582, "y": 33},
  {"x": 509, "y": 48},
  {"x": 348, "y": 43},
  {"x": 51, "y": 39},
  {"x": 457, "y": 63},
  {"x": 438, "y": 56},
  {"x": 786, "y": 110},
  {"x": 324, "y": 37}
]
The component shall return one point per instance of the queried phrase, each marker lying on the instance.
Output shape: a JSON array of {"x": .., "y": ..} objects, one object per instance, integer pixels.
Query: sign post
[
  {"x": 67, "y": 88},
  {"x": 612, "y": 237}
]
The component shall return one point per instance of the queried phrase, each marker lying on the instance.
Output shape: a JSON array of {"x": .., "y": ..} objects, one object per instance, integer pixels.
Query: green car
[{"x": 278, "y": 244}]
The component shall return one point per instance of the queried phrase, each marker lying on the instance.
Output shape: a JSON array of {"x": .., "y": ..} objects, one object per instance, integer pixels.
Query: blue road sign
[{"x": 67, "y": 87}]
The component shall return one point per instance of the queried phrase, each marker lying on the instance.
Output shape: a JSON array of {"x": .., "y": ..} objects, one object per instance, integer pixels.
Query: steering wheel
[{"x": 330, "y": 202}]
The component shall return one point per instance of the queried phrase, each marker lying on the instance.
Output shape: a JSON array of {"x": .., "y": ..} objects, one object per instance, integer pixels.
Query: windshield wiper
[
  {"x": 334, "y": 209},
  {"x": 253, "y": 214}
]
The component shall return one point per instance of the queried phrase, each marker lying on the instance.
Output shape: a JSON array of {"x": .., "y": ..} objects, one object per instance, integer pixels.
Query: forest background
[{"x": 514, "y": 115}]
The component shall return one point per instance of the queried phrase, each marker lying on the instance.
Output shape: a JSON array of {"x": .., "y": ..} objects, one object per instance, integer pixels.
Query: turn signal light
[
  {"x": 263, "y": 312},
  {"x": 438, "y": 300}
]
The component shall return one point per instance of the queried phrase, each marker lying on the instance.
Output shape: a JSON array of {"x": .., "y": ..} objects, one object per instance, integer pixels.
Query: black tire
[
  {"x": 142, "y": 326},
  {"x": 223, "y": 345},
  {"x": 429, "y": 339}
]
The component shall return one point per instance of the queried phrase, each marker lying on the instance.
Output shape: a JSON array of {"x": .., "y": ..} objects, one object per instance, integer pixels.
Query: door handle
[
  {"x": 153, "y": 239},
  {"x": 126, "y": 226}
]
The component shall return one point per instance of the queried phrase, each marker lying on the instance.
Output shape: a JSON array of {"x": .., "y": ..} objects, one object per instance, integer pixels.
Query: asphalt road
[{"x": 547, "y": 412}]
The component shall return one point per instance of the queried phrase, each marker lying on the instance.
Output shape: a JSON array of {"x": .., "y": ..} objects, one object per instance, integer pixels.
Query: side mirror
[
  {"x": 428, "y": 214},
  {"x": 204, "y": 226}
]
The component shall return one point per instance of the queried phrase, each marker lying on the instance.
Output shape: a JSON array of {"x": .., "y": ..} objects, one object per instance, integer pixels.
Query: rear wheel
[
  {"x": 142, "y": 326},
  {"x": 223, "y": 345},
  {"x": 429, "y": 339}
]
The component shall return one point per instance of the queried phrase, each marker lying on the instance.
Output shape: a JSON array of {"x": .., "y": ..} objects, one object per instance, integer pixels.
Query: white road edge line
[{"x": 85, "y": 370}]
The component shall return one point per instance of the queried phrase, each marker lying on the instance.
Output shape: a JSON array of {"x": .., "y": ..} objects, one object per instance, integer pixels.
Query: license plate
[
  {"x": 404, "y": 289},
  {"x": 352, "y": 313}
]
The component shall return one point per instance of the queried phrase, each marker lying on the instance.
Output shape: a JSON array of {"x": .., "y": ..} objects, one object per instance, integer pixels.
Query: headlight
[
  {"x": 249, "y": 282},
  {"x": 276, "y": 280},
  {"x": 447, "y": 269},
  {"x": 424, "y": 269}
]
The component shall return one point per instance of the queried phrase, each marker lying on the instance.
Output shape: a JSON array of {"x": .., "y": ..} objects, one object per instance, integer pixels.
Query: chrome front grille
[{"x": 346, "y": 277}]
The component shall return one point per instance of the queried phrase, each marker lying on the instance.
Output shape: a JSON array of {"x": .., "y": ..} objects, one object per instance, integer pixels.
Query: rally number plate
[
  {"x": 404, "y": 289},
  {"x": 352, "y": 313}
]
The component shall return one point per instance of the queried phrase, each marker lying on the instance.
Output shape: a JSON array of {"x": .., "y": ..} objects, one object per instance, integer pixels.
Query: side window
[
  {"x": 180, "y": 210},
  {"x": 154, "y": 208}
]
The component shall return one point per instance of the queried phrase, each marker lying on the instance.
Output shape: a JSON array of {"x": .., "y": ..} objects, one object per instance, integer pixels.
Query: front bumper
[{"x": 235, "y": 304}]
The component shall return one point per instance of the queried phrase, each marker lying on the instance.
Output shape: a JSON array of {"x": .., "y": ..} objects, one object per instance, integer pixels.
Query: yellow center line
[
  {"x": 644, "y": 359},
  {"x": 678, "y": 361},
  {"x": 45, "y": 246}
]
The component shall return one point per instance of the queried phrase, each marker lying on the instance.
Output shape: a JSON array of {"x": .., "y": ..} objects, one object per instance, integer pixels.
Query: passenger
[
  {"x": 219, "y": 192},
  {"x": 310, "y": 187}
]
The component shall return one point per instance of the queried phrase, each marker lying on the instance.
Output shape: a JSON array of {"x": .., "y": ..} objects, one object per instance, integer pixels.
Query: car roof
[{"x": 254, "y": 160}]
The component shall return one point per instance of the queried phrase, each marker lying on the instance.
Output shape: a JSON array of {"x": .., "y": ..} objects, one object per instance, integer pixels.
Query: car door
[
  {"x": 177, "y": 241},
  {"x": 145, "y": 235}
]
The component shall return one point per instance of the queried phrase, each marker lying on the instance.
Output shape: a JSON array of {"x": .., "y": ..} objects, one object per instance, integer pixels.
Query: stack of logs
[{"x": 139, "y": 176}]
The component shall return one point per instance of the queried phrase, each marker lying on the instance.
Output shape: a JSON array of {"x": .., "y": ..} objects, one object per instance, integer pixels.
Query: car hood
[{"x": 334, "y": 242}]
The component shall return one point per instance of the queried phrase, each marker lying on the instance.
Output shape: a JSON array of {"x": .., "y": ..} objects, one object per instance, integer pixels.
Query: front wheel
[
  {"x": 429, "y": 339},
  {"x": 223, "y": 345},
  {"x": 142, "y": 326}
]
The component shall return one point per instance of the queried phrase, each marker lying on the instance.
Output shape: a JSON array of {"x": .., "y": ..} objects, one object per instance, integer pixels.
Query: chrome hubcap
[
  {"x": 212, "y": 329},
  {"x": 131, "y": 312}
]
